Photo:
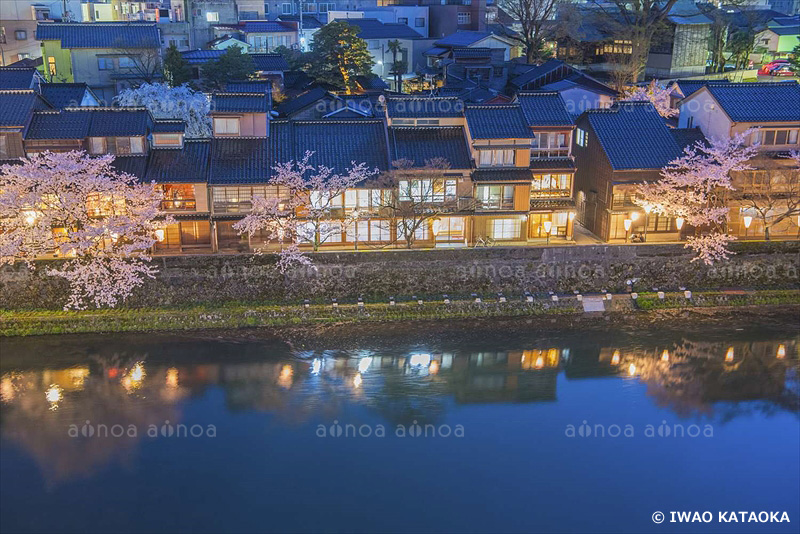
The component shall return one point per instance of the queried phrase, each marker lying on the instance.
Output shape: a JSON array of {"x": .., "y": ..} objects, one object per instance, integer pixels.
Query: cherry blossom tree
[
  {"x": 314, "y": 191},
  {"x": 166, "y": 102},
  {"x": 692, "y": 188},
  {"x": 73, "y": 206},
  {"x": 657, "y": 94}
]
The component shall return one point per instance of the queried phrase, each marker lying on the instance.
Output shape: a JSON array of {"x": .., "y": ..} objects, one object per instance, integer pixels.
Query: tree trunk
[{"x": 766, "y": 232}]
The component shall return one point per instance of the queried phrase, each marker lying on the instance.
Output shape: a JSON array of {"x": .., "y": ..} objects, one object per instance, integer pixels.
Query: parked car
[
  {"x": 767, "y": 68},
  {"x": 781, "y": 70}
]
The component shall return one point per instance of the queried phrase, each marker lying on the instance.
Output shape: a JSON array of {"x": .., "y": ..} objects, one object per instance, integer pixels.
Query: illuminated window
[
  {"x": 212, "y": 16},
  {"x": 505, "y": 229},
  {"x": 226, "y": 126}
]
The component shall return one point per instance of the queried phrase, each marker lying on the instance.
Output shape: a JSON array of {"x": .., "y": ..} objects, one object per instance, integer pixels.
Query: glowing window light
[
  {"x": 729, "y": 355},
  {"x": 665, "y": 356},
  {"x": 781, "y": 354},
  {"x": 539, "y": 362},
  {"x": 615, "y": 357},
  {"x": 54, "y": 394},
  {"x": 419, "y": 360},
  {"x": 172, "y": 377}
]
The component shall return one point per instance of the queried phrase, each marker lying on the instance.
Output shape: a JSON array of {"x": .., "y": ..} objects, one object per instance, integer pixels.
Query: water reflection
[{"x": 709, "y": 379}]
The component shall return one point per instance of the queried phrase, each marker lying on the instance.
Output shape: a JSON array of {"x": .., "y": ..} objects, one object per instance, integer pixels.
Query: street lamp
[
  {"x": 647, "y": 209},
  {"x": 547, "y": 226},
  {"x": 627, "y": 224},
  {"x": 748, "y": 220}
]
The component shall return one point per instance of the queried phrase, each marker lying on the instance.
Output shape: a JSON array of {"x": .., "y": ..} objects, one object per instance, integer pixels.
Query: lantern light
[
  {"x": 781, "y": 354},
  {"x": 748, "y": 220},
  {"x": 627, "y": 224},
  {"x": 547, "y": 226},
  {"x": 679, "y": 223}
]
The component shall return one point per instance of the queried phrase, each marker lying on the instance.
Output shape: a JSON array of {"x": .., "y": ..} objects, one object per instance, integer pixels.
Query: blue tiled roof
[
  {"x": 169, "y": 126},
  {"x": 472, "y": 53},
  {"x": 189, "y": 164},
  {"x": 240, "y": 102},
  {"x": 633, "y": 136},
  {"x": 304, "y": 100},
  {"x": 687, "y": 87},
  {"x": 759, "y": 102},
  {"x": 686, "y": 137},
  {"x": 17, "y": 77},
  {"x": 198, "y": 57},
  {"x": 59, "y": 125},
  {"x": 270, "y": 62},
  {"x": 424, "y": 106},
  {"x": 17, "y": 107},
  {"x": 375, "y": 29},
  {"x": 266, "y": 26},
  {"x": 543, "y": 108},
  {"x": 239, "y": 161},
  {"x": 335, "y": 144},
  {"x": 62, "y": 95},
  {"x": 100, "y": 34},
  {"x": 461, "y": 38},
  {"x": 249, "y": 86},
  {"x": 134, "y": 165},
  {"x": 310, "y": 22},
  {"x": 113, "y": 122},
  {"x": 421, "y": 144},
  {"x": 371, "y": 83},
  {"x": 496, "y": 121}
]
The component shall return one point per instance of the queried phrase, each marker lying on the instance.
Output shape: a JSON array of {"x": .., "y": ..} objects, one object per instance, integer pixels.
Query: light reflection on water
[{"x": 695, "y": 380}]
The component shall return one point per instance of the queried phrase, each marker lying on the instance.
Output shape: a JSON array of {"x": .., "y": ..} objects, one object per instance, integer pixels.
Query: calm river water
[{"x": 489, "y": 431}]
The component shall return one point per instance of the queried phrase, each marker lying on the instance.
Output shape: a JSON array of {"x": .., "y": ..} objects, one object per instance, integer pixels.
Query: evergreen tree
[
  {"x": 339, "y": 55},
  {"x": 232, "y": 65},
  {"x": 176, "y": 69}
]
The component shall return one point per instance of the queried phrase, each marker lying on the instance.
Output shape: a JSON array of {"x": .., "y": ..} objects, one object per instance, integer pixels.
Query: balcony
[
  {"x": 495, "y": 204},
  {"x": 179, "y": 205},
  {"x": 551, "y": 193},
  {"x": 560, "y": 152},
  {"x": 233, "y": 207}
]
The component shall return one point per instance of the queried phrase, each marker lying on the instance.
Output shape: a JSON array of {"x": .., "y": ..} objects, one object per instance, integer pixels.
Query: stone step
[{"x": 594, "y": 304}]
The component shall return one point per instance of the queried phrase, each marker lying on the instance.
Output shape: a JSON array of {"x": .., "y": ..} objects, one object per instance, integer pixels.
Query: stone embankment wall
[{"x": 377, "y": 275}]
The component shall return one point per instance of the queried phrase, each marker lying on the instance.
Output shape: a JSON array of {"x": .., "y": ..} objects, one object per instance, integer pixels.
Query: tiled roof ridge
[
  {"x": 238, "y": 94},
  {"x": 17, "y": 68},
  {"x": 426, "y": 127},
  {"x": 533, "y": 92},
  {"x": 169, "y": 120},
  {"x": 18, "y": 91},
  {"x": 419, "y": 97},
  {"x": 105, "y": 108},
  {"x": 336, "y": 121},
  {"x": 100, "y": 23}
]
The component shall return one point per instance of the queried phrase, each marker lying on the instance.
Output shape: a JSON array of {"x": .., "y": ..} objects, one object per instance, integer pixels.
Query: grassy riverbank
[{"x": 237, "y": 315}]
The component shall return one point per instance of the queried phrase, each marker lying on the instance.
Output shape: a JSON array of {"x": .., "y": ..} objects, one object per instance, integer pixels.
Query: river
[{"x": 394, "y": 429}]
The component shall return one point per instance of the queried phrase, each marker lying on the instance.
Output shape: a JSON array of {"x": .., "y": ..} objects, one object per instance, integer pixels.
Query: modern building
[{"x": 106, "y": 56}]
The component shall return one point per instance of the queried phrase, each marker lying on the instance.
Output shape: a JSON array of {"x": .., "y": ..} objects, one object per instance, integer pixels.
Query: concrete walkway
[{"x": 582, "y": 236}]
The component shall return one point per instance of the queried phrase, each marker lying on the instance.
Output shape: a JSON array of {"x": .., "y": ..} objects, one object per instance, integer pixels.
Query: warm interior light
[
  {"x": 781, "y": 354},
  {"x": 748, "y": 220},
  {"x": 665, "y": 356},
  {"x": 679, "y": 223},
  {"x": 539, "y": 362},
  {"x": 729, "y": 355},
  {"x": 172, "y": 377},
  {"x": 615, "y": 357}
]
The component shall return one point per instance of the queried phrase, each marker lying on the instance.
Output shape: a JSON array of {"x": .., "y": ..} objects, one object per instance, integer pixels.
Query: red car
[{"x": 767, "y": 68}]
